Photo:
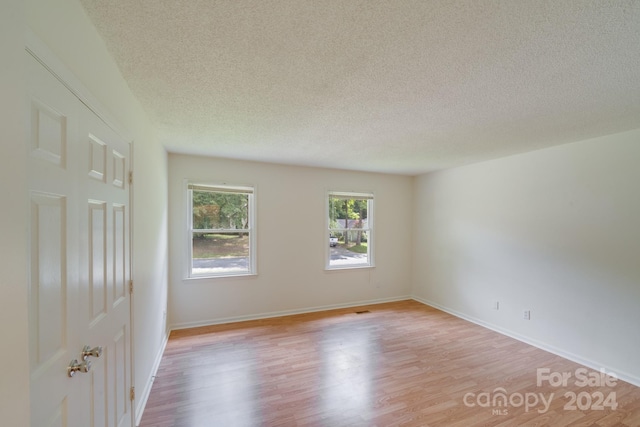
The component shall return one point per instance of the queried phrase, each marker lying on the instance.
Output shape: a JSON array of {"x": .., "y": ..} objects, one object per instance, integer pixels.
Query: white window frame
[
  {"x": 251, "y": 228},
  {"x": 370, "y": 197}
]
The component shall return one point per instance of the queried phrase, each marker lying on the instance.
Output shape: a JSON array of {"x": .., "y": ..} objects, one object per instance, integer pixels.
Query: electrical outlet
[
  {"x": 496, "y": 305},
  {"x": 527, "y": 315}
]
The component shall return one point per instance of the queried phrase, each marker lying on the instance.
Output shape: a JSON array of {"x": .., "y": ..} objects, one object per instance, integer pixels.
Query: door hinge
[
  {"x": 130, "y": 177},
  {"x": 132, "y": 393},
  {"x": 130, "y": 286}
]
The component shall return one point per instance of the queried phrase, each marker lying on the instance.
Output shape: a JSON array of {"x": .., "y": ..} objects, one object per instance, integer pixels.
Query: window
[
  {"x": 221, "y": 231},
  {"x": 350, "y": 234}
]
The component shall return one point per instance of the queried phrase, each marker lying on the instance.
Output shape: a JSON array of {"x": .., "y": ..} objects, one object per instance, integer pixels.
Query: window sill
[
  {"x": 221, "y": 276},
  {"x": 349, "y": 267}
]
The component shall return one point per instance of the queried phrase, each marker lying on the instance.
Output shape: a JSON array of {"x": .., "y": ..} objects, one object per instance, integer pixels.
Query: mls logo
[{"x": 499, "y": 412}]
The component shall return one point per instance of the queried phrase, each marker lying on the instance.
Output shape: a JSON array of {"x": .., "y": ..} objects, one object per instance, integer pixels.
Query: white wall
[
  {"x": 291, "y": 242},
  {"x": 14, "y": 366},
  {"x": 64, "y": 27},
  {"x": 555, "y": 231}
]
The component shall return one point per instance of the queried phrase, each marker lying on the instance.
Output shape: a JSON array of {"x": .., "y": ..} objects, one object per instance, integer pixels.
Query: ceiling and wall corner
[{"x": 401, "y": 87}]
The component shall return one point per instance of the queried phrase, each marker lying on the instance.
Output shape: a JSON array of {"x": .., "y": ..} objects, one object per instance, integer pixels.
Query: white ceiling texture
[{"x": 393, "y": 86}]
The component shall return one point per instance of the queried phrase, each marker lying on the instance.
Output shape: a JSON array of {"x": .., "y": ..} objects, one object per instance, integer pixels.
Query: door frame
[{"x": 45, "y": 56}]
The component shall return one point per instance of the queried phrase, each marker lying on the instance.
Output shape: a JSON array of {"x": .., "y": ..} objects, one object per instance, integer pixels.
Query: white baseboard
[
  {"x": 219, "y": 321},
  {"x": 144, "y": 396},
  {"x": 631, "y": 379}
]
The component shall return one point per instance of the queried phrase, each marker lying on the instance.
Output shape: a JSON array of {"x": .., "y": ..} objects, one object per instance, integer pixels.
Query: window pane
[
  {"x": 220, "y": 210},
  {"x": 219, "y": 253},
  {"x": 352, "y": 253},
  {"x": 348, "y": 213}
]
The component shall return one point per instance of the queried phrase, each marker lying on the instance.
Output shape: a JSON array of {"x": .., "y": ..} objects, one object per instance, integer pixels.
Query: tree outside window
[{"x": 350, "y": 221}]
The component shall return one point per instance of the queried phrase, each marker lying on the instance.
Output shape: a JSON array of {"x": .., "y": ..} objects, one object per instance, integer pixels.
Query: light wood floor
[{"x": 399, "y": 364}]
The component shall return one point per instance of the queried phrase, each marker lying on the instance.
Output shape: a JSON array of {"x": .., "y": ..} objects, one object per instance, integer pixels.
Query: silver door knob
[
  {"x": 93, "y": 352},
  {"x": 74, "y": 366}
]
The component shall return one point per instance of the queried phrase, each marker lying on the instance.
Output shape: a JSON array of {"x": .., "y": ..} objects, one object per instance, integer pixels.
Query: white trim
[
  {"x": 268, "y": 315},
  {"x": 624, "y": 376},
  {"x": 229, "y": 275},
  {"x": 348, "y": 267},
  {"x": 220, "y": 188},
  {"x": 251, "y": 192},
  {"x": 144, "y": 397},
  {"x": 358, "y": 195},
  {"x": 369, "y": 196}
]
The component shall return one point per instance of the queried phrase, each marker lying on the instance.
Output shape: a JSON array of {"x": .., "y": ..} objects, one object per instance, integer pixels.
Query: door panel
[
  {"x": 120, "y": 256},
  {"x": 107, "y": 323},
  {"x": 48, "y": 133},
  {"x": 98, "y": 392},
  {"x": 97, "y": 244},
  {"x": 120, "y": 376},
  {"x": 48, "y": 278},
  {"x": 79, "y": 257},
  {"x": 53, "y": 279}
]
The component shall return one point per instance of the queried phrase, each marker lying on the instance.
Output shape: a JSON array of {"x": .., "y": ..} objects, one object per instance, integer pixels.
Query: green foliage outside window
[{"x": 220, "y": 211}]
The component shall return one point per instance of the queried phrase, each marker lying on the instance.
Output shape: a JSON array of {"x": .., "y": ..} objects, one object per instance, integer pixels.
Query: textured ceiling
[{"x": 391, "y": 86}]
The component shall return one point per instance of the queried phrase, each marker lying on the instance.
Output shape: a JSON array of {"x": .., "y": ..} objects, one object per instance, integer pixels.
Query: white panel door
[
  {"x": 79, "y": 259},
  {"x": 52, "y": 120},
  {"x": 104, "y": 296}
]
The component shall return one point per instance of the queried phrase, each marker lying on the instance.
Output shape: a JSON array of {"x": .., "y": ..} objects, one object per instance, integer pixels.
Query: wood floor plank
[{"x": 399, "y": 364}]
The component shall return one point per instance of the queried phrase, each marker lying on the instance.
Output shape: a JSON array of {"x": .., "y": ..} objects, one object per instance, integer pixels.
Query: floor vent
[{"x": 362, "y": 312}]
